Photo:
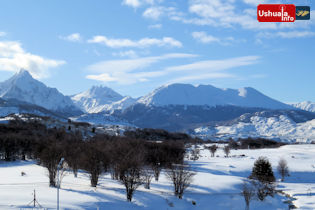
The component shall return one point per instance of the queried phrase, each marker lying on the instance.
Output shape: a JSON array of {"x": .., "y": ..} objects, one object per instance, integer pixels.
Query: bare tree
[
  {"x": 157, "y": 170},
  {"x": 130, "y": 167},
  {"x": 213, "y": 149},
  {"x": 148, "y": 176},
  {"x": 195, "y": 154},
  {"x": 248, "y": 192},
  {"x": 49, "y": 158},
  {"x": 64, "y": 170},
  {"x": 181, "y": 177},
  {"x": 283, "y": 168},
  {"x": 92, "y": 161},
  {"x": 227, "y": 151},
  {"x": 130, "y": 176}
]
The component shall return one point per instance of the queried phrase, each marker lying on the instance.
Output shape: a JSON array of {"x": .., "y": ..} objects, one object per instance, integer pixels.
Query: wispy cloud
[
  {"x": 216, "y": 65},
  {"x": 136, "y": 70},
  {"x": 75, "y": 37},
  {"x": 156, "y": 12},
  {"x": 205, "y": 38},
  {"x": 220, "y": 13},
  {"x": 2, "y": 33},
  {"x": 128, "y": 53},
  {"x": 128, "y": 65},
  {"x": 129, "y": 71},
  {"x": 138, "y": 3},
  {"x": 132, "y": 3},
  {"x": 287, "y": 34},
  {"x": 155, "y": 26},
  {"x": 13, "y": 57},
  {"x": 142, "y": 43}
]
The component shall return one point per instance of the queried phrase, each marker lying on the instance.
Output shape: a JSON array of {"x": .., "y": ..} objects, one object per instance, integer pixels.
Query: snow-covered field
[{"x": 217, "y": 184}]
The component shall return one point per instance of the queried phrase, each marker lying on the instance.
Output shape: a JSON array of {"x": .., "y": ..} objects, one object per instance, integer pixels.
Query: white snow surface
[
  {"x": 122, "y": 104},
  {"x": 306, "y": 105},
  {"x": 23, "y": 87},
  {"x": 278, "y": 128},
  {"x": 100, "y": 98},
  {"x": 186, "y": 94},
  {"x": 217, "y": 184}
]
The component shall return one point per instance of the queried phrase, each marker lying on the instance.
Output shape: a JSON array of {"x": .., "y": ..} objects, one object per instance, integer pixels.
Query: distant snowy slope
[
  {"x": 306, "y": 105},
  {"x": 186, "y": 94},
  {"x": 96, "y": 99},
  {"x": 23, "y": 87},
  {"x": 13, "y": 106},
  {"x": 101, "y": 119},
  {"x": 122, "y": 104},
  {"x": 277, "y": 127}
]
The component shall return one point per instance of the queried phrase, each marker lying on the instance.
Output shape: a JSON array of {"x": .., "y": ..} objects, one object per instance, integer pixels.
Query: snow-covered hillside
[
  {"x": 306, "y": 105},
  {"x": 96, "y": 99},
  {"x": 122, "y": 104},
  {"x": 12, "y": 106},
  {"x": 23, "y": 87},
  {"x": 186, "y": 94},
  {"x": 101, "y": 119},
  {"x": 217, "y": 185},
  {"x": 278, "y": 128}
]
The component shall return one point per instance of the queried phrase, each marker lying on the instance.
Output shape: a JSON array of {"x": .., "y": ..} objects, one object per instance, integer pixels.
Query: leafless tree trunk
[
  {"x": 248, "y": 192},
  {"x": 283, "y": 168},
  {"x": 195, "y": 154},
  {"x": 63, "y": 172},
  {"x": 131, "y": 170},
  {"x": 181, "y": 177},
  {"x": 147, "y": 175},
  {"x": 131, "y": 179},
  {"x": 213, "y": 149},
  {"x": 157, "y": 170},
  {"x": 92, "y": 162},
  {"x": 50, "y": 158},
  {"x": 227, "y": 151}
]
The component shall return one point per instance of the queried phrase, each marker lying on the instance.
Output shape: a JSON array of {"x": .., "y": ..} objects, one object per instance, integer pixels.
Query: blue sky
[{"x": 134, "y": 46}]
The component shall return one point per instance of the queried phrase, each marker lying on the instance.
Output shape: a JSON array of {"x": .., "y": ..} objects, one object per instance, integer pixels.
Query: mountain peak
[
  {"x": 96, "y": 98},
  {"x": 186, "y": 94},
  {"x": 22, "y": 86},
  {"x": 23, "y": 73}
]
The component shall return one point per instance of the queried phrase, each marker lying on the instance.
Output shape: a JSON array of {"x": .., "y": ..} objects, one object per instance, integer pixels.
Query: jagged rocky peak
[{"x": 23, "y": 87}]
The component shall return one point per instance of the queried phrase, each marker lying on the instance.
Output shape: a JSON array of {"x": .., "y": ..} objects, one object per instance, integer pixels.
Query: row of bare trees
[
  {"x": 131, "y": 161},
  {"x": 213, "y": 149}
]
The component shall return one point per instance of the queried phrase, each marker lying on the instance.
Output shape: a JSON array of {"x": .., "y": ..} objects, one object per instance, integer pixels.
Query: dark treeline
[
  {"x": 130, "y": 160},
  {"x": 254, "y": 143},
  {"x": 160, "y": 135}
]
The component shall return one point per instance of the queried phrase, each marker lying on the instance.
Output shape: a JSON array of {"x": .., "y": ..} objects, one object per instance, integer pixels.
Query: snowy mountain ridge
[
  {"x": 23, "y": 87},
  {"x": 101, "y": 98},
  {"x": 278, "y": 127},
  {"x": 186, "y": 94},
  {"x": 306, "y": 105}
]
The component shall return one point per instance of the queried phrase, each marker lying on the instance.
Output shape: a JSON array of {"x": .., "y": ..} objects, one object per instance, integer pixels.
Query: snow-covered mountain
[
  {"x": 96, "y": 99},
  {"x": 306, "y": 105},
  {"x": 23, "y": 87},
  {"x": 13, "y": 106},
  {"x": 102, "y": 119},
  {"x": 122, "y": 104},
  {"x": 290, "y": 127},
  {"x": 186, "y": 94}
]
